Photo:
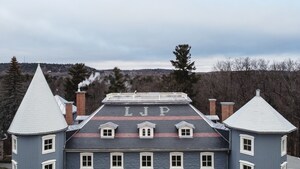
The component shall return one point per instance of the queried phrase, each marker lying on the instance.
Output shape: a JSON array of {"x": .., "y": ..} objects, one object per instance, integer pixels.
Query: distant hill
[{"x": 62, "y": 70}]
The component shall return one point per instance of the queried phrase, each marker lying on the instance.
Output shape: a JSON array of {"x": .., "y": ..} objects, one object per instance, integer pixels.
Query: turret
[
  {"x": 38, "y": 128},
  {"x": 258, "y": 135}
]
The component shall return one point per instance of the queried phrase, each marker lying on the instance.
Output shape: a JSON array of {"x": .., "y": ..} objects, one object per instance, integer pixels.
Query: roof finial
[{"x": 257, "y": 92}]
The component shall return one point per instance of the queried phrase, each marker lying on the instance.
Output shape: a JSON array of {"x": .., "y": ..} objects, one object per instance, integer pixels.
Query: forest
[{"x": 233, "y": 80}]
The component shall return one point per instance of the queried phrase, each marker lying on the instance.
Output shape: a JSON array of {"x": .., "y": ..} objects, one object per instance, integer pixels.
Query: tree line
[{"x": 234, "y": 79}]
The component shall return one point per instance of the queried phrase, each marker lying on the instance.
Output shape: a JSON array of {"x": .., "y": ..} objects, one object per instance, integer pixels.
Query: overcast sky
[{"x": 133, "y": 34}]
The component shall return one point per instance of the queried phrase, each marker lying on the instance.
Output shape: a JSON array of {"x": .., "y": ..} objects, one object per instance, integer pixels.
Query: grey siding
[
  {"x": 29, "y": 151},
  {"x": 161, "y": 160},
  {"x": 267, "y": 151}
]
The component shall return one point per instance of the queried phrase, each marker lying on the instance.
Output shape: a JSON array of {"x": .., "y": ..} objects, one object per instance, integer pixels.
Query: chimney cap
[
  {"x": 81, "y": 92},
  {"x": 212, "y": 99},
  {"x": 227, "y": 103},
  {"x": 257, "y": 92}
]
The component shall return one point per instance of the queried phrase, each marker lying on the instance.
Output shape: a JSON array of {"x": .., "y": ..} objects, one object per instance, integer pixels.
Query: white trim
[
  {"x": 49, "y": 162},
  {"x": 146, "y": 132},
  {"x": 212, "y": 160},
  {"x": 146, "y": 154},
  {"x": 176, "y": 154},
  {"x": 14, "y": 144},
  {"x": 81, "y": 161},
  {"x": 283, "y": 165},
  {"x": 242, "y": 150},
  {"x": 48, "y": 137},
  {"x": 14, "y": 164},
  {"x": 246, "y": 163},
  {"x": 185, "y": 136},
  {"x": 111, "y": 160},
  {"x": 107, "y": 137},
  {"x": 283, "y": 145}
]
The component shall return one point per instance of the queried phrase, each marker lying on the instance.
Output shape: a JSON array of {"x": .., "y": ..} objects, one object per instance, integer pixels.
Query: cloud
[{"x": 135, "y": 31}]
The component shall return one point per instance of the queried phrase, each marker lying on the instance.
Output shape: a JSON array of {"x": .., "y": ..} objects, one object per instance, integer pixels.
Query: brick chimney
[
  {"x": 80, "y": 103},
  {"x": 212, "y": 106},
  {"x": 69, "y": 113},
  {"x": 226, "y": 109}
]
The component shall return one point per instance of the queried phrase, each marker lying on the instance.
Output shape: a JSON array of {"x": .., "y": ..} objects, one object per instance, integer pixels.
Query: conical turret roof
[
  {"x": 259, "y": 116},
  {"x": 38, "y": 113}
]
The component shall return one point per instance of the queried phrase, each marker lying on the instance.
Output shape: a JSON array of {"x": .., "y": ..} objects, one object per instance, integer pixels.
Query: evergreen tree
[
  {"x": 78, "y": 73},
  {"x": 12, "y": 93},
  {"x": 182, "y": 73},
  {"x": 117, "y": 82}
]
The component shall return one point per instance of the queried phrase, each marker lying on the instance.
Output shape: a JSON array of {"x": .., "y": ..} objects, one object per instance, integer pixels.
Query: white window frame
[
  {"x": 107, "y": 137},
  {"x": 146, "y": 154},
  {"x": 246, "y": 163},
  {"x": 283, "y": 145},
  {"x": 111, "y": 160},
  {"x": 48, "y": 137},
  {"x": 49, "y": 162},
  {"x": 242, "y": 150},
  {"x": 283, "y": 165},
  {"x": 212, "y": 160},
  {"x": 14, "y": 164},
  {"x": 14, "y": 144},
  {"x": 81, "y": 161},
  {"x": 176, "y": 154},
  {"x": 146, "y": 132},
  {"x": 185, "y": 136}
]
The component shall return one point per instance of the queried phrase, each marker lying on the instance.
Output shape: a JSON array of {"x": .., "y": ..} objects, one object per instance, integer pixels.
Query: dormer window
[
  {"x": 185, "y": 129},
  {"x": 107, "y": 130},
  {"x": 146, "y": 129}
]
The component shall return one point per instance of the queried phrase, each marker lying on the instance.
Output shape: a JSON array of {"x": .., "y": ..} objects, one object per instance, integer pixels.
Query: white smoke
[{"x": 88, "y": 81}]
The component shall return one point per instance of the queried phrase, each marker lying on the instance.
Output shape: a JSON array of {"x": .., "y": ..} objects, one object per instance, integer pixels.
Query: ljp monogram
[{"x": 163, "y": 111}]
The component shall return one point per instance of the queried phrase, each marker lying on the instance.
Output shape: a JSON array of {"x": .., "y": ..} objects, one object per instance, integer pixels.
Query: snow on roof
[
  {"x": 259, "y": 116},
  {"x": 62, "y": 104},
  {"x": 146, "y": 124},
  {"x": 184, "y": 124},
  {"x": 147, "y": 98},
  {"x": 212, "y": 117},
  {"x": 108, "y": 125},
  {"x": 38, "y": 113}
]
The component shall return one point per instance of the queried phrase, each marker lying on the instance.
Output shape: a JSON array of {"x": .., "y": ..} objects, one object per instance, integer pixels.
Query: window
[
  {"x": 14, "y": 144},
  {"x": 185, "y": 132},
  {"x": 146, "y": 132},
  {"x": 14, "y": 164},
  {"x": 48, "y": 144},
  {"x": 108, "y": 130},
  {"x": 247, "y": 144},
  {"x": 116, "y": 160},
  {"x": 207, "y": 160},
  {"x": 107, "y": 133},
  {"x": 86, "y": 160},
  {"x": 146, "y": 129},
  {"x": 146, "y": 160},
  {"x": 246, "y": 165},
  {"x": 283, "y": 165},
  {"x": 283, "y": 145},
  {"x": 176, "y": 160},
  {"x": 49, "y": 164},
  {"x": 185, "y": 129}
]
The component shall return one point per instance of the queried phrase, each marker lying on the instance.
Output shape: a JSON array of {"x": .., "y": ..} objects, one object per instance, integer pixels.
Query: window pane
[
  {"x": 207, "y": 160},
  {"x": 146, "y": 161}
]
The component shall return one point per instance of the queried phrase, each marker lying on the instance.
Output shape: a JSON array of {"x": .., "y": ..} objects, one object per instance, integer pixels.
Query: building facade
[{"x": 144, "y": 131}]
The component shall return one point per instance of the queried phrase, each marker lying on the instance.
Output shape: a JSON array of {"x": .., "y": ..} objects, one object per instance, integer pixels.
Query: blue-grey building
[{"x": 144, "y": 131}]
